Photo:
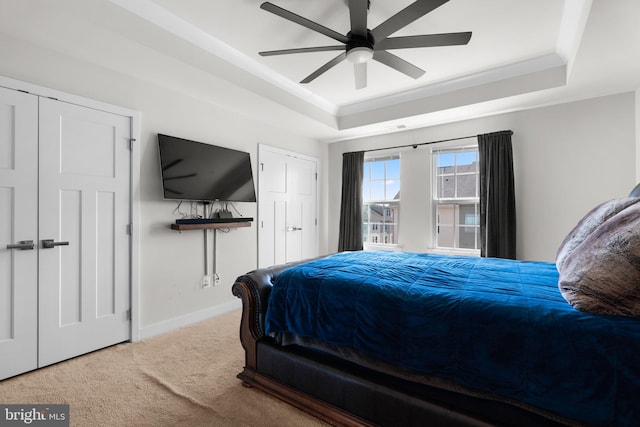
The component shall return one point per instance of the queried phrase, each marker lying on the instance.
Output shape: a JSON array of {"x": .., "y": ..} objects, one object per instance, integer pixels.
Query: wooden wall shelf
[{"x": 209, "y": 226}]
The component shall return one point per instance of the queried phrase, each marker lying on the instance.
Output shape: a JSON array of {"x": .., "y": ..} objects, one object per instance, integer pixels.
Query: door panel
[
  {"x": 70, "y": 281},
  {"x": 279, "y": 235},
  {"x": 79, "y": 158},
  {"x": 84, "y": 204},
  {"x": 106, "y": 250},
  {"x": 18, "y": 222},
  {"x": 301, "y": 237},
  {"x": 272, "y": 207}
]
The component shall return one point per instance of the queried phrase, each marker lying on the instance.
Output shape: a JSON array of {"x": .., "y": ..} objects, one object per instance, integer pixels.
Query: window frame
[
  {"x": 437, "y": 201},
  {"x": 383, "y": 226}
]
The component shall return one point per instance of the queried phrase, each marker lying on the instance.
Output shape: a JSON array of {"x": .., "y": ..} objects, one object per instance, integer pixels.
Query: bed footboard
[{"x": 254, "y": 289}]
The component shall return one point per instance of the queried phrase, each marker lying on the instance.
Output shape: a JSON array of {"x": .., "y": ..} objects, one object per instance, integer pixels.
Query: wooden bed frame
[{"x": 343, "y": 393}]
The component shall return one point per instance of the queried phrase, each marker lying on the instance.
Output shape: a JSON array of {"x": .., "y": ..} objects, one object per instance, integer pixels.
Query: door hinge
[
  {"x": 130, "y": 229},
  {"x": 131, "y": 141},
  {"x": 261, "y": 167},
  {"x": 316, "y": 221},
  {"x": 316, "y": 176},
  {"x": 128, "y": 314}
]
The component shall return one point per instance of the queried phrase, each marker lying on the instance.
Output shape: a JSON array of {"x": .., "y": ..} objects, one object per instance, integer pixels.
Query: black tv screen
[{"x": 197, "y": 171}]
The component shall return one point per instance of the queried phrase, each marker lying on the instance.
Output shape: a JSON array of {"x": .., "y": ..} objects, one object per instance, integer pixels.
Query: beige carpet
[{"x": 183, "y": 378}]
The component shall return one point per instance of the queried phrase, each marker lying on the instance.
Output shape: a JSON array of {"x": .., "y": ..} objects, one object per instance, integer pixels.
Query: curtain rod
[{"x": 429, "y": 143}]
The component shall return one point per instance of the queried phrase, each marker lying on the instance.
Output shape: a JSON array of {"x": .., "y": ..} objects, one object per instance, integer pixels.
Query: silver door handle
[
  {"x": 23, "y": 245},
  {"x": 292, "y": 228},
  {"x": 49, "y": 243}
]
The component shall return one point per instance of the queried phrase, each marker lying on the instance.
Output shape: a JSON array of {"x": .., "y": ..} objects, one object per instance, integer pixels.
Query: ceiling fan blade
[
  {"x": 290, "y": 16},
  {"x": 406, "y": 16},
  {"x": 358, "y": 13},
  {"x": 301, "y": 50},
  {"x": 398, "y": 64},
  {"x": 427, "y": 40},
  {"x": 360, "y": 72},
  {"x": 325, "y": 67}
]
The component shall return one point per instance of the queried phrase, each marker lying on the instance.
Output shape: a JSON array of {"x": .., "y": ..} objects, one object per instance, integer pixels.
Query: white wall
[
  {"x": 567, "y": 158},
  {"x": 171, "y": 263}
]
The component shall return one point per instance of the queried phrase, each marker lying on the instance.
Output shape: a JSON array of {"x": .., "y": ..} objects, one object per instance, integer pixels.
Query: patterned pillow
[
  {"x": 599, "y": 261},
  {"x": 589, "y": 223}
]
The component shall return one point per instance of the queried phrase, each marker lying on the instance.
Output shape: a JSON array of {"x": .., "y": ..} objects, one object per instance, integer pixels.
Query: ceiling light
[{"x": 359, "y": 55}]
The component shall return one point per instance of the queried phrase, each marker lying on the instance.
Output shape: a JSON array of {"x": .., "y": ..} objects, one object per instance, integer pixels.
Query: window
[
  {"x": 381, "y": 199},
  {"x": 456, "y": 198}
]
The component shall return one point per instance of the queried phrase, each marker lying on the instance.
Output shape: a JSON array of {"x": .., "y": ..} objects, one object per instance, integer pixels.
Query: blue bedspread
[{"x": 500, "y": 326}]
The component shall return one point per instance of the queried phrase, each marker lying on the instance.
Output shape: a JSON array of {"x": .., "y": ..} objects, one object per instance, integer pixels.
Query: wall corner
[{"x": 637, "y": 133}]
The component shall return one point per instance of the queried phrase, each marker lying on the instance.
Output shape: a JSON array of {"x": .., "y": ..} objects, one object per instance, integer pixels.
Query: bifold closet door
[
  {"x": 84, "y": 254},
  {"x": 18, "y": 226}
]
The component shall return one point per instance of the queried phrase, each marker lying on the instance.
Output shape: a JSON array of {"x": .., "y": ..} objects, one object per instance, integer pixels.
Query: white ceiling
[
  {"x": 249, "y": 29},
  {"x": 522, "y": 54}
]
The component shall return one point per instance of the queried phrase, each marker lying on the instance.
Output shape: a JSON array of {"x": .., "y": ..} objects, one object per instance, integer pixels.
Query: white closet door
[
  {"x": 286, "y": 208},
  {"x": 18, "y": 222},
  {"x": 84, "y": 197}
]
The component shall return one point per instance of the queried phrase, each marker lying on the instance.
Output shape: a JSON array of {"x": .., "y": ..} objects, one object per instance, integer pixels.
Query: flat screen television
[{"x": 197, "y": 171}]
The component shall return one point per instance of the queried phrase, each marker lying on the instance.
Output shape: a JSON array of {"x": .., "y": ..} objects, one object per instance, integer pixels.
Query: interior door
[
  {"x": 18, "y": 225},
  {"x": 286, "y": 207},
  {"x": 84, "y": 201}
]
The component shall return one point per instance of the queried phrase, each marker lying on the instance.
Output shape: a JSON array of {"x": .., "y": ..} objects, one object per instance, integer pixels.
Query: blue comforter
[{"x": 495, "y": 325}]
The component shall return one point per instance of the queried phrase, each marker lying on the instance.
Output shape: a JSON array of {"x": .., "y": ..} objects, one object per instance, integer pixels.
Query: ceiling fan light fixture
[{"x": 360, "y": 55}]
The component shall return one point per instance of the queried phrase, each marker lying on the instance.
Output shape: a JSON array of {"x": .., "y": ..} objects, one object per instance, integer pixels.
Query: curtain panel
[
  {"x": 350, "y": 235},
  {"x": 497, "y": 196}
]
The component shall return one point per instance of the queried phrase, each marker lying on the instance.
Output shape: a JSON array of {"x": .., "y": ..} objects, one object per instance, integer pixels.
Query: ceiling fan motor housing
[
  {"x": 359, "y": 49},
  {"x": 359, "y": 41}
]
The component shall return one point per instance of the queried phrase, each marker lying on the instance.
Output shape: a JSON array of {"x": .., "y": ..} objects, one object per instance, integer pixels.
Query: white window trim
[{"x": 433, "y": 197}]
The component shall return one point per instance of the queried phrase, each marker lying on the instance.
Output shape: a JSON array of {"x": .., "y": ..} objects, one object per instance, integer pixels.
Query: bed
[{"x": 394, "y": 338}]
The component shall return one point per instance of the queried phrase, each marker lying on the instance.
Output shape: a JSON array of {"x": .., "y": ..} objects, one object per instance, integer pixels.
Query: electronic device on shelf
[{"x": 213, "y": 220}]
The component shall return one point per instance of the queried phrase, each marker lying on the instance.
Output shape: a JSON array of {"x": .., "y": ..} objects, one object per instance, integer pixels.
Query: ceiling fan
[{"x": 360, "y": 45}]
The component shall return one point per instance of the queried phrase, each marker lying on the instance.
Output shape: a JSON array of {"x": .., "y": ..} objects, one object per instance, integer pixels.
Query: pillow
[
  {"x": 599, "y": 261},
  {"x": 589, "y": 223}
]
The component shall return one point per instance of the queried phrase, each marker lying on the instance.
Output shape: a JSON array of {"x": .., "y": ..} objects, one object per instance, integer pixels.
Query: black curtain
[
  {"x": 350, "y": 236},
  {"x": 497, "y": 196}
]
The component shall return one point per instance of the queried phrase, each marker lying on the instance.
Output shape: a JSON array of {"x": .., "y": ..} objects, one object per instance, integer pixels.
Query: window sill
[
  {"x": 381, "y": 247},
  {"x": 440, "y": 251},
  {"x": 444, "y": 251}
]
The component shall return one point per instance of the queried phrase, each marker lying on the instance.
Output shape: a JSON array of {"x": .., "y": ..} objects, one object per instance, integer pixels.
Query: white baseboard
[{"x": 187, "y": 319}]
